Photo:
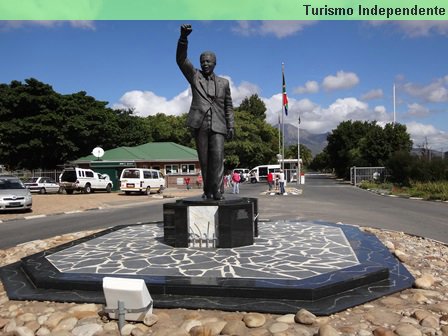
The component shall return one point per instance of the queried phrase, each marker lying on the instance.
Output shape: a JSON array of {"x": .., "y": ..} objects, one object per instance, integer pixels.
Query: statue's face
[{"x": 208, "y": 63}]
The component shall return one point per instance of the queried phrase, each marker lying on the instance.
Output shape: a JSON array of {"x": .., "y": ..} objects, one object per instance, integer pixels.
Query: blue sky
[{"x": 334, "y": 70}]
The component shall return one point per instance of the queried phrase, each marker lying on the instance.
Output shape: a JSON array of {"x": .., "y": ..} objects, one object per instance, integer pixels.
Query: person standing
[
  {"x": 281, "y": 182},
  {"x": 211, "y": 116},
  {"x": 187, "y": 182},
  {"x": 270, "y": 179},
  {"x": 236, "y": 182}
]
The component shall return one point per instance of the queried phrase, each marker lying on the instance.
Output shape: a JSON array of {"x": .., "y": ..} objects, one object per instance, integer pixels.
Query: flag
[{"x": 285, "y": 96}]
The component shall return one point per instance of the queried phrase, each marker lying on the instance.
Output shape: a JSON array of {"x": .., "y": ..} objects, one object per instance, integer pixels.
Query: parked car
[
  {"x": 141, "y": 180},
  {"x": 42, "y": 185},
  {"x": 85, "y": 180},
  {"x": 13, "y": 194}
]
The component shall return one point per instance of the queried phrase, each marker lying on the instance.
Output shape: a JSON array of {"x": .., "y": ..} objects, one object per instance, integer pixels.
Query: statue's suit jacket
[{"x": 221, "y": 105}]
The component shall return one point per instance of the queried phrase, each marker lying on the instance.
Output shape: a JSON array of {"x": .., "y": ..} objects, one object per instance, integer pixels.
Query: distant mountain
[
  {"x": 315, "y": 142},
  {"x": 429, "y": 153}
]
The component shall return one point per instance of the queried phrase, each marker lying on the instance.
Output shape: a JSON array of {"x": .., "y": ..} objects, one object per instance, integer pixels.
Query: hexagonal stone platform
[{"x": 322, "y": 267}]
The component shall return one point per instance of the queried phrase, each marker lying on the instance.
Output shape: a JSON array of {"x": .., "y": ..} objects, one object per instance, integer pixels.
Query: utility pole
[{"x": 394, "y": 106}]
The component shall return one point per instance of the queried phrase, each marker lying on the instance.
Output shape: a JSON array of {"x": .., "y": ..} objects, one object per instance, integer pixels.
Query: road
[
  {"x": 322, "y": 198},
  {"x": 327, "y": 199}
]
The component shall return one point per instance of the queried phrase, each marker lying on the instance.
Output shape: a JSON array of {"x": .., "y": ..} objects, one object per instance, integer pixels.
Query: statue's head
[{"x": 208, "y": 62}]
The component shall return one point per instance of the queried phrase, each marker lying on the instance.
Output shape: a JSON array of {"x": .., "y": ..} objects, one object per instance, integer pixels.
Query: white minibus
[
  {"x": 141, "y": 180},
  {"x": 260, "y": 173}
]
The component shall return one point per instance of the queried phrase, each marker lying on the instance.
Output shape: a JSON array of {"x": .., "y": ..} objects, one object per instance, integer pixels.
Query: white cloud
[
  {"x": 421, "y": 133},
  {"x": 318, "y": 119},
  {"x": 373, "y": 94},
  {"x": 417, "y": 110},
  {"x": 145, "y": 103},
  {"x": 416, "y": 28},
  {"x": 342, "y": 80},
  {"x": 279, "y": 29},
  {"x": 435, "y": 92},
  {"x": 309, "y": 87},
  {"x": 314, "y": 117},
  {"x": 244, "y": 90},
  {"x": 83, "y": 24}
]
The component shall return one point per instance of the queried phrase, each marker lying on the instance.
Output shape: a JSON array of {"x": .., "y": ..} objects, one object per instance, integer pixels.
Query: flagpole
[
  {"x": 279, "y": 131},
  {"x": 394, "y": 106},
  {"x": 283, "y": 124},
  {"x": 298, "y": 180}
]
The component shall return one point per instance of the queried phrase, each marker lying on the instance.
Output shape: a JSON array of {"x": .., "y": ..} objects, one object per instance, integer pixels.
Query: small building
[{"x": 175, "y": 161}]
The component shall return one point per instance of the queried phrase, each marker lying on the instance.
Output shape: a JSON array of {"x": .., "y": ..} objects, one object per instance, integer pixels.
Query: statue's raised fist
[{"x": 185, "y": 30}]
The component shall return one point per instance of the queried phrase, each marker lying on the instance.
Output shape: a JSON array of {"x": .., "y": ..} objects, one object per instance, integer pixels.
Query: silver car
[
  {"x": 13, "y": 194},
  {"x": 42, "y": 185}
]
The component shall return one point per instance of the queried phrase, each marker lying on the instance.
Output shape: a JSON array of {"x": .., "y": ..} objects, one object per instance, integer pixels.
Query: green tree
[
  {"x": 305, "y": 154},
  {"x": 321, "y": 162},
  {"x": 133, "y": 130},
  {"x": 40, "y": 128},
  {"x": 255, "y": 142},
  {"x": 169, "y": 128},
  {"x": 254, "y": 105},
  {"x": 379, "y": 143},
  {"x": 342, "y": 148},
  {"x": 365, "y": 144},
  {"x": 399, "y": 166}
]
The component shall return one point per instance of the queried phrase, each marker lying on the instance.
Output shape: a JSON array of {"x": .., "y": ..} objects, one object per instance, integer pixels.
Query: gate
[{"x": 372, "y": 174}]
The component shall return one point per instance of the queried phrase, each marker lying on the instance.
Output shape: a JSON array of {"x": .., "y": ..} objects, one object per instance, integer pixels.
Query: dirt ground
[{"x": 59, "y": 203}]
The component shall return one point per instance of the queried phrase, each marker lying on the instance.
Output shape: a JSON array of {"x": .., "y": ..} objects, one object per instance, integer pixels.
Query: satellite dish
[{"x": 98, "y": 152}]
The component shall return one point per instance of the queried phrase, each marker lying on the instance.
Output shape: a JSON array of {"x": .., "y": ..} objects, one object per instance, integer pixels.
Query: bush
[
  {"x": 430, "y": 190},
  {"x": 399, "y": 167},
  {"x": 404, "y": 168}
]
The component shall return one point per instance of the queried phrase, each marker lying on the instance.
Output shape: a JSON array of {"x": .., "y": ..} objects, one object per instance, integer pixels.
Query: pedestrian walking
[{"x": 236, "y": 183}]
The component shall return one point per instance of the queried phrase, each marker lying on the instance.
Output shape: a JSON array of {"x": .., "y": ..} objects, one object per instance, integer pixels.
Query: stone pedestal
[{"x": 199, "y": 223}]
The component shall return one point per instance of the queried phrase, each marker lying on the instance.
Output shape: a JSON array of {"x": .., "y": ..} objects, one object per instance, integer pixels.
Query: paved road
[{"x": 322, "y": 198}]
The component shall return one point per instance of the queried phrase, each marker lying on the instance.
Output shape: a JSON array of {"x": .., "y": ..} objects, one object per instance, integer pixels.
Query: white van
[
  {"x": 141, "y": 180},
  {"x": 260, "y": 173}
]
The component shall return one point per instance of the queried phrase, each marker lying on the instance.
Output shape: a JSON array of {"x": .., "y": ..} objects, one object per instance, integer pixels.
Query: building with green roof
[{"x": 173, "y": 160}]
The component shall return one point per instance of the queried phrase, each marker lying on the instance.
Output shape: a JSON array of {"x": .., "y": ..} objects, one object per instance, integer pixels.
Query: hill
[{"x": 315, "y": 142}]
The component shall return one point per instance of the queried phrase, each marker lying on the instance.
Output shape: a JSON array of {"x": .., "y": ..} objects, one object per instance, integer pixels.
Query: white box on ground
[{"x": 132, "y": 292}]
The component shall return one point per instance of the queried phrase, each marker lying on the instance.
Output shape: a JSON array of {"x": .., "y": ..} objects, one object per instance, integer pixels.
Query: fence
[
  {"x": 373, "y": 174},
  {"x": 24, "y": 174}
]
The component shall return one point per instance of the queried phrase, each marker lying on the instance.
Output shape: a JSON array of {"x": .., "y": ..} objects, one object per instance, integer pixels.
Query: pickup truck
[{"x": 84, "y": 180}]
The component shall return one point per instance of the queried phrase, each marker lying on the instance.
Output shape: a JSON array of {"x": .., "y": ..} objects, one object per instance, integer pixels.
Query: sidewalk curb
[
  {"x": 373, "y": 191},
  {"x": 30, "y": 217}
]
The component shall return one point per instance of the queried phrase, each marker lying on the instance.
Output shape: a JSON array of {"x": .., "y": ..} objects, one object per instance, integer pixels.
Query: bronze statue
[{"x": 210, "y": 116}]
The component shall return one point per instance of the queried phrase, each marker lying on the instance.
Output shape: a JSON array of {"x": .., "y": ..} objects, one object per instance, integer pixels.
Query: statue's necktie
[{"x": 211, "y": 87}]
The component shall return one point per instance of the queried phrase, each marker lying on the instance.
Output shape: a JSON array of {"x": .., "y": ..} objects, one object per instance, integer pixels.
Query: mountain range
[
  {"x": 314, "y": 142},
  {"x": 317, "y": 142}
]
